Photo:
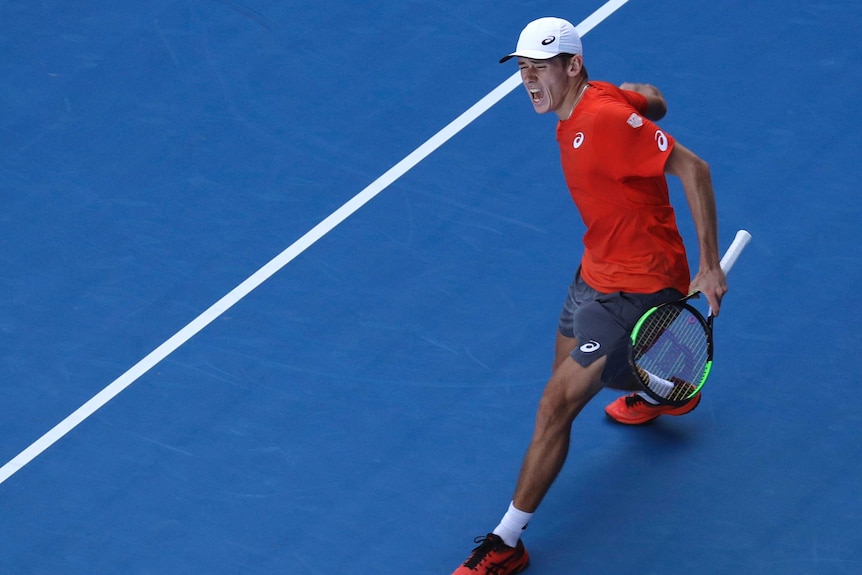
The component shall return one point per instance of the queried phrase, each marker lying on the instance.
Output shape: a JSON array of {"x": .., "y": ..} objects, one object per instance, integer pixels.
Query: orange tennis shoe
[
  {"x": 493, "y": 557},
  {"x": 635, "y": 410}
]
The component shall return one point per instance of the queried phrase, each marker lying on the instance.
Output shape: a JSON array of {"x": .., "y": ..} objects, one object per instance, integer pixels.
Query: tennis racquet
[{"x": 671, "y": 344}]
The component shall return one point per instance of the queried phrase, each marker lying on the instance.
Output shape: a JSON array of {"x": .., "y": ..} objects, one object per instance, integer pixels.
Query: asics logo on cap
[{"x": 549, "y": 40}]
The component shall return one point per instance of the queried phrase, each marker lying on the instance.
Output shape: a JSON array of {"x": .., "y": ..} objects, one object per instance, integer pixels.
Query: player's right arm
[{"x": 694, "y": 174}]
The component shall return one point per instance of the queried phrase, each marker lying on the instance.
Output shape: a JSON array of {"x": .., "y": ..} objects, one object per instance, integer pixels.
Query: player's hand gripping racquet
[{"x": 671, "y": 351}]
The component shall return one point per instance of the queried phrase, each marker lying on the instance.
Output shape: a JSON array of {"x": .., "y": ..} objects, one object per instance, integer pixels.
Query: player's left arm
[
  {"x": 656, "y": 107},
  {"x": 696, "y": 180}
]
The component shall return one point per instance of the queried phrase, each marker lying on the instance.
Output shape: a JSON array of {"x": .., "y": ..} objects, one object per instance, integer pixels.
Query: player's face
[{"x": 546, "y": 81}]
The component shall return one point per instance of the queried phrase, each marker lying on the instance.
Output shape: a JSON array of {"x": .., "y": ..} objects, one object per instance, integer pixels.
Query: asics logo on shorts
[{"x": 590, "y": 346}]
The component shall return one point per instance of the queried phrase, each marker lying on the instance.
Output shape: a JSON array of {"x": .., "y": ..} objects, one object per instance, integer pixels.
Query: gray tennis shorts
[{"x": 602, "y": 322}]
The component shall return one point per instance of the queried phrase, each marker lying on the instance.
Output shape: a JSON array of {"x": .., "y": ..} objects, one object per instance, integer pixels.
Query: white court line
[{"x": 327, "y": 225}]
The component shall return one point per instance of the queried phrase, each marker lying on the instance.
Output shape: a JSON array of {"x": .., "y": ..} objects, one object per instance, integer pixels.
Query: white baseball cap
[{"x": 545, "y": 38}]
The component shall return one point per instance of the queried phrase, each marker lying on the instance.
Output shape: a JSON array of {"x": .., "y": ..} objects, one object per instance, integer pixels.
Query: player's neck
[{"x": 575, "y": 95}]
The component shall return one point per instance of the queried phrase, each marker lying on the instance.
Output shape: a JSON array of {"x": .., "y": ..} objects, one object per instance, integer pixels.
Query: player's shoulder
[
  {"x": 611, "y": 103},
  {"x": 604, "y": 87},
  {"x": 608, "y": 91}
]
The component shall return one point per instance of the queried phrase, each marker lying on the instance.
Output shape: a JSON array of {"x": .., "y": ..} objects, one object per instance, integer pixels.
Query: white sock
[
  {"x": 512, "y": 525},
  {"x": 647, "y": 398},
  {"x": 659, "y": 385}
]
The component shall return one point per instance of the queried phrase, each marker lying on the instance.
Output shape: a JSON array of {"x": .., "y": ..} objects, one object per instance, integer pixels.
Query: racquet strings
[{"x": 672, "y": 344}]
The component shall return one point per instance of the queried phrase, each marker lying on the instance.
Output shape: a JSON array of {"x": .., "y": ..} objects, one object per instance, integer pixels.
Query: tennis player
[{"x": 615, "y": 160}]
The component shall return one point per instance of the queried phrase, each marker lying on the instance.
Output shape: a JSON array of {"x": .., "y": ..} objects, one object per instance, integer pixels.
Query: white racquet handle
[{"x": 730, "y": 256}]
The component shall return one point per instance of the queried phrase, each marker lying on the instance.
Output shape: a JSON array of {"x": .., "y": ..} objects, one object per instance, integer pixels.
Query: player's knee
[
  {"x": 566, "y": 394},
  {"x": 554, "y": 412}
]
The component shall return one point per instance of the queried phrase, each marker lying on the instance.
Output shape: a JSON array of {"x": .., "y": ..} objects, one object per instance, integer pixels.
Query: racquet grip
[{"x": 730, "y": 256}]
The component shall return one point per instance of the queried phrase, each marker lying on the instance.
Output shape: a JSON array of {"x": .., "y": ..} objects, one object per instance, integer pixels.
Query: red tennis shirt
[{"x": 613, "y": 161}]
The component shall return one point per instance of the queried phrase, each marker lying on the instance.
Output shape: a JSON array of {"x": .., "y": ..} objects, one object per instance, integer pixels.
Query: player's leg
[
  {"x": 575, "y": 379},
  {"x": 569, "y": 389},
  {"x": 589, "y": 335}
]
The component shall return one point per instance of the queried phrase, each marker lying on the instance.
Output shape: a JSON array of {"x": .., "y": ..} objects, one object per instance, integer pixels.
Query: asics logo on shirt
[
  {"x": 579, "y": 139},
  {"x": 661, "y": 140}
]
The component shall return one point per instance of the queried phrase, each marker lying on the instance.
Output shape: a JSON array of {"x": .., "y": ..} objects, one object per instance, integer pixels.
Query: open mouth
[{"x": 536, "y": 95}]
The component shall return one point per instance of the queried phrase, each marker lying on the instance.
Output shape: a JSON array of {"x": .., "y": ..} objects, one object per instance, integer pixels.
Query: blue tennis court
[{"x": 364, "y": 408}]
